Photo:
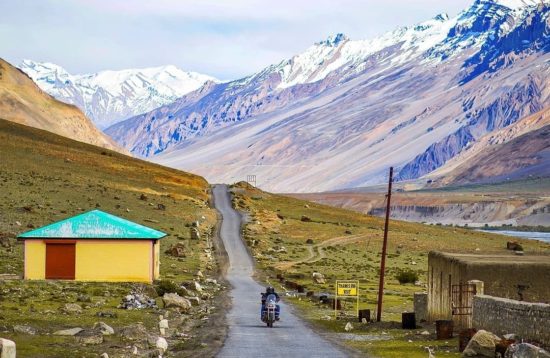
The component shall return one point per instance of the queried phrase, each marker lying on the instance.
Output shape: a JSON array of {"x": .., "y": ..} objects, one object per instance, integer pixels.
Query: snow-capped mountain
[
  {"x": 110, "y": 96},
  {"x": 340, "y": 113}
]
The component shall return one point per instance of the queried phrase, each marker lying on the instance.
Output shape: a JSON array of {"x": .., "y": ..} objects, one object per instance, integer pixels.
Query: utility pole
[{"x": 384, "y": 247}]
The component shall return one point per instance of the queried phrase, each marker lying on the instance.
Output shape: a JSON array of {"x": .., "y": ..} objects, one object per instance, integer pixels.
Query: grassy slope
[
  {"x": 45, "y": 178},
  {"x": 276, "y": 222}
]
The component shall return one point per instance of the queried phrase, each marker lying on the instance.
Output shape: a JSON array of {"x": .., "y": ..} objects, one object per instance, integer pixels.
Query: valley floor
[{"x": 292, "y": 239}]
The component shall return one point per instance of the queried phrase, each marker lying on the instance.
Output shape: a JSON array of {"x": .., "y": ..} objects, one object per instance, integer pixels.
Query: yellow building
[{"x": 94, "y": 246}]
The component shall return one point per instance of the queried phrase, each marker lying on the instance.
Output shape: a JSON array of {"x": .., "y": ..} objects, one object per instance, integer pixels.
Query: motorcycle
[{"x": 270, "y": 310}]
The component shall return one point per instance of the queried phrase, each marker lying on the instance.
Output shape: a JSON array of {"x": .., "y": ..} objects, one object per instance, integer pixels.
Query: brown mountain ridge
[{"x": 21, "y": 101}]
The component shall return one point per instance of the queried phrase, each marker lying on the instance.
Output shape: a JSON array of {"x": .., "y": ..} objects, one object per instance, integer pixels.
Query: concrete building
[
  {"x": 94, "y": 246},
  {"x": 523, "y": 278}
]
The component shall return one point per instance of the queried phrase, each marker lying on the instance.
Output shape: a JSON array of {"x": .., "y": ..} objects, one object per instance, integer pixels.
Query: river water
[{"x": 541, "y": 236}]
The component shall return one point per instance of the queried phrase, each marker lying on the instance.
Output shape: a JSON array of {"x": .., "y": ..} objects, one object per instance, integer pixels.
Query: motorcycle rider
[{"x": 271, "y": 291}]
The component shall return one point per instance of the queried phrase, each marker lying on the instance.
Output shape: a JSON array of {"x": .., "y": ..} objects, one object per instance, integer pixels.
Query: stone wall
[
  {"x": 501, "y": 316},
  {"x": 509, "y": 276}
]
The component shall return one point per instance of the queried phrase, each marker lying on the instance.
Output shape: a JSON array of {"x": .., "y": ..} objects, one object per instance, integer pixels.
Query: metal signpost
[{"x": 346, "y": 288}]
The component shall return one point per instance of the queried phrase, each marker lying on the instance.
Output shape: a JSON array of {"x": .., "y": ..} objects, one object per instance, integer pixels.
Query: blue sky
[{"x": 223, "y": 38}]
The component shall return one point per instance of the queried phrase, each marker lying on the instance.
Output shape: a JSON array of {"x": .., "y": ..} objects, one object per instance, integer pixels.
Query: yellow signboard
[{"x": 347, "y": 288}]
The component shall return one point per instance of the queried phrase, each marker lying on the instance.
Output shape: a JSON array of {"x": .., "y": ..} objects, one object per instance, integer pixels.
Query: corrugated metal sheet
[{"x": 95, "y": 224}]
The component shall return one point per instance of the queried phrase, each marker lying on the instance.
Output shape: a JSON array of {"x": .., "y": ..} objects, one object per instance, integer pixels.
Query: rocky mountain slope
[
  {"x": 520, "y": 151},
  {"x": 339, "y": 114},
  {"x": 110, "y": 96},
  {"x": 21, "y": 101}
]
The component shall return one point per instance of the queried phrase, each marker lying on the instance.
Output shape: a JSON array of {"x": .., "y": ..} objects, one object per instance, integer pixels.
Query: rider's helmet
[{"x": 269, "y": 290}]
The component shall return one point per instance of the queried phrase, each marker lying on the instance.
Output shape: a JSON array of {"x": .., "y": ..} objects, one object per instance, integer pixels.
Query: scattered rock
[
  {"x": 197, "y": 286},
  {"x": 143, "y": 197},
  {"x": 71, "y": 308},
  {"x": 176, "y": 301},
  {"x": 305, "y": 219},
  {"x": 162, "y": 344},
  {"x": 195, "y": 301},
  {"x": 309, "y": 241},
  {"x": 104, "y": 355},
  {"x": 525, "y": 350},
  {"x": 176, "y": 250},
  {"x": 161, "y": 207},
  {"x": 7, "y": 348},
  {"x": 348, "y": 327},
  {"x": 483, "y": 343},
  {"x": 348, "y": 232},
  {"x": 195, "y": 233},
  {"x": 68, "y": 332},
  {"x": 424, "y": 333},
  {"x": 89, "y": 337},
  {"x": 24, "y": 329},
  {"x": 106, "y": 314},
  {"x": 318, "y": 277},
  {"x": 84, "y": 298},
  {"x": 137, "y": 301},
  {"x": 326, "y": 318},
  {"x": 199, "y": 274},
  {"x": 511, "y": 336},
  {"x": 104, "y": 328},
  {"x": 134, "y": 332},
  {"x": 163, "y": 323}
]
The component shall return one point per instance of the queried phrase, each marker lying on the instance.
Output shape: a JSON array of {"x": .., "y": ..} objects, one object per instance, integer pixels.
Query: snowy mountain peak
[
  {"x": 514, "y": 4},
  {"x": 108, "y": 97},
  {"x": 334, "y": 40},
  {"x": 441, "y": 17}
]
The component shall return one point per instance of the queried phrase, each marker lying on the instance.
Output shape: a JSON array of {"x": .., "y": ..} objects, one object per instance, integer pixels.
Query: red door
[{"x": 60, "y": 261}]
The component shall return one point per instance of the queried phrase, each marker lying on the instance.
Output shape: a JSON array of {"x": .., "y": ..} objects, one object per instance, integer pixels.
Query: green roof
[{"x": 94, "y": 224}]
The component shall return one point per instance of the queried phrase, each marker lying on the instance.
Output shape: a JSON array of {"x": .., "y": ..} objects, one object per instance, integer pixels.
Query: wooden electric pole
[{"x": 384, "y": 247}]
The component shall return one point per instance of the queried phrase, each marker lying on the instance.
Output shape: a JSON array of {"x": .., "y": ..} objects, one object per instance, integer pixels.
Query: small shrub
[
  {"x": 406, "y": 276},
  {"x": 167, "y": 286}
]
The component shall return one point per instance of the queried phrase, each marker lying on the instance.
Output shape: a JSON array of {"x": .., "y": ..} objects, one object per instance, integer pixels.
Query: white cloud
[{"x": 224, "y": 38}]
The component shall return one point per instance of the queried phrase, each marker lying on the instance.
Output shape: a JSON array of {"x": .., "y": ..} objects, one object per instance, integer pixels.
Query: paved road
[{"x": 248, "y": 336}]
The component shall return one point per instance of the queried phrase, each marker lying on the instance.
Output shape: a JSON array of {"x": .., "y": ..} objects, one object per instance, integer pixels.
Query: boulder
[
  {"x": 305, "y": 219},
  {"x": 163, "y": 323},
  {"x": 84, "y": 298},
  {"x": 197, "y": 286},
  {"x": 89, "y": 337},
  {"x": 176, "y": 250},
  {"x": 176, "y": 301},
  {"x": 348, "y": 327},
  {"x": 24, "y": 329},
  {"x": 104, "y": 355},
  {"x": 483, "y": 344},
  {"x": 7, "y": 348},
  {"x": 318, "y": 277},
  {"x": 195, "y": 233},
  {"x": 71, "y": 308},
  {"x": 195, "y": 301},
  {"x": 525, "y": 350},
  {"x": 68, "y": 332},
  {"x": 161, "y": 344},
  {"x": 134, "y": 332},
  {"x": 104, "y": 328}
]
